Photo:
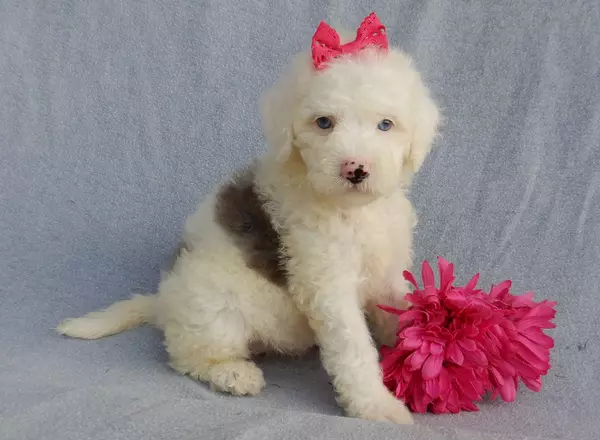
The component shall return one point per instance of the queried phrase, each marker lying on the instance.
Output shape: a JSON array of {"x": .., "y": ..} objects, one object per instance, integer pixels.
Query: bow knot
[{"x": 326, "y": 41}]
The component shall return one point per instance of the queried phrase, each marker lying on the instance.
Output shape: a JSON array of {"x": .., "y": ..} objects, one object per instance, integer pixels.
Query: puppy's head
[{"x": 357, "y": 129}]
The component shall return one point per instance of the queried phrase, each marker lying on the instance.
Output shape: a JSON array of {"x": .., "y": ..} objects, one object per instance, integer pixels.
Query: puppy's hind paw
[{"x": 240, "y": 378}]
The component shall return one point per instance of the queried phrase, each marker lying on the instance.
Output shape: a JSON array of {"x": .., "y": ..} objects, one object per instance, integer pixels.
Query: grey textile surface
[{"x": 117, "y": 116}]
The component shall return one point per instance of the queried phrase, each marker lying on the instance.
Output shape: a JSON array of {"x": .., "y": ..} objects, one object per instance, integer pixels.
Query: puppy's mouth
[{"x": 357, "y": 188}]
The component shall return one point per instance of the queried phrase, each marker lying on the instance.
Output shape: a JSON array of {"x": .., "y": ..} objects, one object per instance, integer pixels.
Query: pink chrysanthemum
[{"x": 455, "y": 344}]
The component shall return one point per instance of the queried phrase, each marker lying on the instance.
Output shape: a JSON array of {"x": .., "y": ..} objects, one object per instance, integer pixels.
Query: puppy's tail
[{"x": 120, "y": 316}]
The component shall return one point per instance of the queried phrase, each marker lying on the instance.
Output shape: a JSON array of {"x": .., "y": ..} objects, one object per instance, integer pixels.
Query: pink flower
[
  {"x": 428, "y": 370},
  {"x": 457, "y": 343},
  {"x": 525, "y": 349}
]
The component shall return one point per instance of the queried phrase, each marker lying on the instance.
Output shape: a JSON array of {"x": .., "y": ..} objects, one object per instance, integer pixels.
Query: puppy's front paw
[{"x": 382, "y": 408}]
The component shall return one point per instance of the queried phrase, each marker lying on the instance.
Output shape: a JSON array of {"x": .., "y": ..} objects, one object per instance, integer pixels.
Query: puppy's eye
[
  {"x": 385, "y": 125},
  {"x": 324, "y": 123}
]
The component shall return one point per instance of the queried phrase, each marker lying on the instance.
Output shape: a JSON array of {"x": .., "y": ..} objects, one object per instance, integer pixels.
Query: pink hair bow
[{"x": 326, "y": 41}]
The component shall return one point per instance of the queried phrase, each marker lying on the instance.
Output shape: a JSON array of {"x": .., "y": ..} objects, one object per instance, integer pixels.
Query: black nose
[{"x": 357, "y": 176}]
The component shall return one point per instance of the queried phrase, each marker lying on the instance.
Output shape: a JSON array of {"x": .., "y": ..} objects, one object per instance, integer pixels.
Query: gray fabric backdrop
[{"x": 117, "y": 116}]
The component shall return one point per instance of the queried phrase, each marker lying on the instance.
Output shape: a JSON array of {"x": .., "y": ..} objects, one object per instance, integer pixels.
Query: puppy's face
[{"x": 361, "y": 127}]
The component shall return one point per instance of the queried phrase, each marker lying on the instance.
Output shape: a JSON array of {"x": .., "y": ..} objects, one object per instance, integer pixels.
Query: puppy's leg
[
  {"x": 216, "y": 353},
  {"x": 384, "y": 324},
  {"x": 206, "y": 333},
  {"x": 324, "y": 285}
]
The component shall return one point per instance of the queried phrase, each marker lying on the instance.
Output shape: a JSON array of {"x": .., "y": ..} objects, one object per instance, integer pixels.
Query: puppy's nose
[{"x": 355, "y": 170}]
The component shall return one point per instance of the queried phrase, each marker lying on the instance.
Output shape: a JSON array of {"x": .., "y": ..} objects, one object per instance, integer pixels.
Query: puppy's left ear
[{"x": 424, "y": 128}]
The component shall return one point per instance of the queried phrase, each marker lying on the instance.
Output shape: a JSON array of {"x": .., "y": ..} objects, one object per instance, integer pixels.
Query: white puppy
[{"x": 297, "y": 248}]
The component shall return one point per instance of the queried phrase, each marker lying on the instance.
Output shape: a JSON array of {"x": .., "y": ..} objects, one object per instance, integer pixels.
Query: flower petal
[
  {"x": 538, "y": 351},
  {"x": 408, "y": 276},
  {"x": 497, "y": 376},
  {"x": 410, "y": 344},
  {"x": 453, "y": 405},
  {"x": 525, "y": 300},
  {"x": 456, "y": 298},
  {"x": 436, "y": 348},
  {"x": 427, "y": 274},
  {"x": 528, "y": 358},
  {"x": 444, "y": 381},
  {"x": 420, "y": 399},
  {"x": 432, "y": 367},
  {"x": 392, "y": 310},
  {"x": 416, "y": 360},
  {"x": 454, "y": 353},
  {"x": 540, "y": 322},
  {"x": 508, "y": 391},
  {"x": 432, "y": 388},
  {"x": 390, "y": 358},
  {"x": 472, "y": 283},
  {"x": 446, "y": 270},
  {"x": 412, "y": 332},
  {"x": 500, "y": 289},
  {"x": 539, "y": 338},
  {"x": 406, "y": 373},
  {"x": 400, "y": 390},
  {"x": 477, "y": 357},
  {"x": 525, "y": 369},
  {"x": 532, "y": 384},
  {"x": 467, "y": 344},
  {"x": 393, "y": 370},
  {"x": 469, "y": 406},
  {"x": 411, "y": 315},
  {"x": 543, "y": 309},
  {"x": 439, "y": 406}
]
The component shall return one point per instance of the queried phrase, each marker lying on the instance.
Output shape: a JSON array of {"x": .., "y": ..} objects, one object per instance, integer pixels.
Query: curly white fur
[{"x": 347, "y": 244}]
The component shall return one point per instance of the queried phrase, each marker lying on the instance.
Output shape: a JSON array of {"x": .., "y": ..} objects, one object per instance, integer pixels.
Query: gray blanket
[{"x": 117, "y": 116}]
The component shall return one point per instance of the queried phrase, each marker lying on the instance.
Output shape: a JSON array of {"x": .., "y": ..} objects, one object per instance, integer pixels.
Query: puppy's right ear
[
  {"x": 280, "y": 104},
  {"x": 277, "y": 122}
]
